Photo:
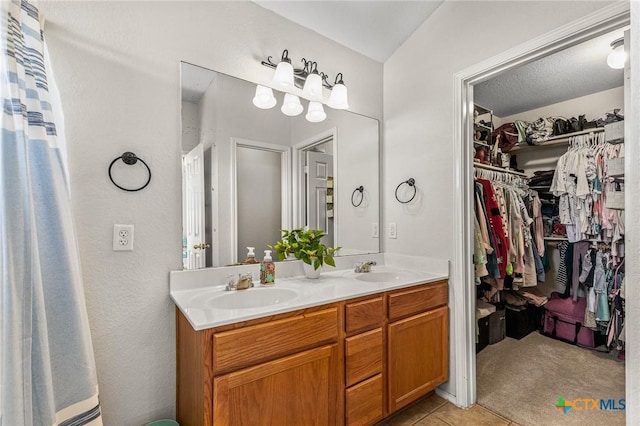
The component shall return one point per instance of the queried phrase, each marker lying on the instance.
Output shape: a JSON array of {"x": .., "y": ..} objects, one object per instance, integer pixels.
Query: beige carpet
[{"x": 523, "y": 379}]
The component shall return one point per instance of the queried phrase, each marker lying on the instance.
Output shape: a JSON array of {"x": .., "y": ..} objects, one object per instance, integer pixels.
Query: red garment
[{"x": 495, "y": 220}]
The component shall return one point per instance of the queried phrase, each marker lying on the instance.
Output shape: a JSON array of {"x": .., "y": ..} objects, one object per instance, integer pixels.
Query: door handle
[{"x": 201, "y": 246}]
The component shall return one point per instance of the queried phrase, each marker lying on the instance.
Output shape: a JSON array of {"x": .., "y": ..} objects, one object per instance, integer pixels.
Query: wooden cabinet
[
  {"x": 353, "y": 362},
  {"x": 417, "y": 342},
  {"x": 364, "y": 361},
  {"x": 365, "y": 402},
  {"x": 296, "y": 390}
]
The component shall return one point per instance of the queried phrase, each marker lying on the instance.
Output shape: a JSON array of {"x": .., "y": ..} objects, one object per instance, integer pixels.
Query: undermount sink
[
  {"x": 382, "y": 276},
  {"x": 251, "y": 298}
]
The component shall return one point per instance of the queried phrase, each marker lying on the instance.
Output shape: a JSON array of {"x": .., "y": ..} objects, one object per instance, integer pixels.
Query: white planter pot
[{"x": 310, "y": 272}]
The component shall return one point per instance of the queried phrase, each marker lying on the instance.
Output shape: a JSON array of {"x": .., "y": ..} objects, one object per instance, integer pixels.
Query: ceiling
[
  {"x": 377, "y": 28},
  {"x": 571, "y": 73},
  {"x": 195, "y": 80},
  {"x": 374, "y": 28}
]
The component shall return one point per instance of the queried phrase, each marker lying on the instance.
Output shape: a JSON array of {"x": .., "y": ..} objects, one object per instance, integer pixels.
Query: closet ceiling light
[
  {"x": 264, "y": 98},
  {"x": 617, "y": 56},
  {"x": 288, "y": 79}
]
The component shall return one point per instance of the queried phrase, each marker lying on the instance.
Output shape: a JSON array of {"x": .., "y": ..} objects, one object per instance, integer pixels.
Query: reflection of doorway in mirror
[
  {"x": 260, "y": 189},
  {"x": 319, "y": 173},
  {"x": 194, "y": 244},
  {"x": 259, "y": 198}
]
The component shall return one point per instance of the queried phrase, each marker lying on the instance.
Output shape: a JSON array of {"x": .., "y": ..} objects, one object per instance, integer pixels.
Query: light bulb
[
  {"x": 338, "y": 98},
  {"x": 315, "y": 112},
  {"x": 291, "y": 105},
  {"x": 617, "y": 57},
  {"x": 264, "y": 98},
  {"x": 312, "y": 88},
  {"x": 283, "y": 77}
]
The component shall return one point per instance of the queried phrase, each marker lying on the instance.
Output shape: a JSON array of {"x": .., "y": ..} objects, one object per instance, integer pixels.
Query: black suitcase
[
  {"x": 497, "y": 327},
  {"x": 483, "y": 333},
  {"x": 521, "y": 320}
]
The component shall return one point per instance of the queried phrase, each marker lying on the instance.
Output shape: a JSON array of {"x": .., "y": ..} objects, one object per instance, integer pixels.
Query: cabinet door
[
  {"x": 417, "y": 356},
  {"x": 300, "y": 389},
  {"x": 363, "y": 356},
  {"x": 364, "y": 402}
]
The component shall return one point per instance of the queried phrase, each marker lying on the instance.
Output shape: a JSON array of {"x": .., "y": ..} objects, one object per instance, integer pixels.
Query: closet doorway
[{"x": 463, "y": 274}]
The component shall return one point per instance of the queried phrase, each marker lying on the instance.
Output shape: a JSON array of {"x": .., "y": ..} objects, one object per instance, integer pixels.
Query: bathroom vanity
[{"x": 343, "y": 350}]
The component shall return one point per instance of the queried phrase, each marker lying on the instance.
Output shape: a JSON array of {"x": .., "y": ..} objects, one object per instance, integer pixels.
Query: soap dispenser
[
  {"x": 267, "y": 269},
  {"x": 251, "y": 256}
]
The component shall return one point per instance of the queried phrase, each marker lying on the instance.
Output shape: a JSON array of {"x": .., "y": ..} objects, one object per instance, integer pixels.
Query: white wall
[
  {"x": 117, "y": 65},
  {"x": 190, "y": 126},
  {"x": 418, "y": 112},
  {"x": 632, "y": 205}
]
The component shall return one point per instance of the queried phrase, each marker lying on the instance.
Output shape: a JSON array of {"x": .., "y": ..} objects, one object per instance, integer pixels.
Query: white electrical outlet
[
  {"x": 374, "y": 230},
  {"x": 393, "y": 231},
  {"x": 122, "y": 237}
]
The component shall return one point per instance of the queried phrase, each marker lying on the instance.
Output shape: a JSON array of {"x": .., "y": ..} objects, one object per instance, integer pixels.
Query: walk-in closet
[{"x": 549, "y": 256}]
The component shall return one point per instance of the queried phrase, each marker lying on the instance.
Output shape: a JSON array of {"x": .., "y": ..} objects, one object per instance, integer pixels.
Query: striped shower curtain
[{"x": 47, "y": 368}]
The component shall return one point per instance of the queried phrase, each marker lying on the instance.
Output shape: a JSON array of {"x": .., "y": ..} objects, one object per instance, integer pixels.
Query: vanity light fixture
[
  {"x": 312, "y": 88},
  {"x": 315, "y": 112},
  {"x": 617, "y": 56},
  {"x": 338, "y": 98},
  {"x": 283, "y": 77},
  {"x": 291, "y": 105},
  {"x": 311, "y": 81},
  {"x": 264, "y": 98}
]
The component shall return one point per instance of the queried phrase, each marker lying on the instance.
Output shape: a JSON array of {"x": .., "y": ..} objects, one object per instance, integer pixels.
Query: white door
[
  {"x": 319, "y": 168},
  {"x": 194, "y": 227}
]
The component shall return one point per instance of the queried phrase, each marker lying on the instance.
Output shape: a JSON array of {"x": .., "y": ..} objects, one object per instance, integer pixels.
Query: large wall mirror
[{"x": 250, "y": 172}]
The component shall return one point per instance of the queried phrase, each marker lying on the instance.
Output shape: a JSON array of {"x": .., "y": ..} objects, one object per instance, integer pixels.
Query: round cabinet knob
[{"x": 201, "y": 246}]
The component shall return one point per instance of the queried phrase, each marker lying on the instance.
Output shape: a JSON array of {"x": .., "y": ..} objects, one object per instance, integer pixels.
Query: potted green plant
[{"x": 305, "y": 245}]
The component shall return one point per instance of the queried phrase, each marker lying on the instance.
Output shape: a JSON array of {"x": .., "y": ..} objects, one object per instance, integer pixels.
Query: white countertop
[{"x": 195, "y": 301}]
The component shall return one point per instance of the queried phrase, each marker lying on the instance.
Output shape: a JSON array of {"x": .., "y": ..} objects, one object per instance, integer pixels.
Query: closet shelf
[
  {"x": 482, "y": 144},
  {"x": 555, "y": 140},
  {"x": 498, "y": 169},
  {"x": 559, "y": 238},
  {"x": 482, "y": 126}
]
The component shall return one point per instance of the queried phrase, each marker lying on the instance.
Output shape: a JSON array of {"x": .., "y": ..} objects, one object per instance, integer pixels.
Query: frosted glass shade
[
  {"x": 338, "y": 98},
  {"x": 315, "y": 112},
  {"x": 312, "y": 88},
  {"x": 264, "y": 98},
  {"x": 617, "y": 57},
  {"x": 283, "y": 77},
  {"x": 291, "y": 105}
]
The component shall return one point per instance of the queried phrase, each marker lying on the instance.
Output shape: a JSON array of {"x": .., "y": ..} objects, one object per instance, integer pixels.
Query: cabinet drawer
[
  {"x": 363, "y": 355},
  {"x": 364, "y": 402},
  {"x": 364, "y": 315},
  {"x": 404, "y": 303},
  {"x": 253, "y": 344}
]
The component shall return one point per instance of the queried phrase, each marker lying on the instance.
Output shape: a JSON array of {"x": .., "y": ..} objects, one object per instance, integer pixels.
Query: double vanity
[{"x": 347, "y": 348}]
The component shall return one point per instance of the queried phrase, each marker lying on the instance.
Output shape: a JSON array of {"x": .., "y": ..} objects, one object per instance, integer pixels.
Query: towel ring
[
  {"x": 412, "y": 183},
  {"x": 129, "y": 158},
  {"x": 359, "y": 189}
]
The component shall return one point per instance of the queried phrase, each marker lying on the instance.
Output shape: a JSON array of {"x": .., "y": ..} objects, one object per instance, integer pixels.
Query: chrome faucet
[
  {"x": 364, "y": 266},
  {"x": 244, "y": 282}
]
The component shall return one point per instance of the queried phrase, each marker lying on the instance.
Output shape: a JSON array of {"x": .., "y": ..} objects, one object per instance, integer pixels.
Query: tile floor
[{"x": 435, "y": 411}]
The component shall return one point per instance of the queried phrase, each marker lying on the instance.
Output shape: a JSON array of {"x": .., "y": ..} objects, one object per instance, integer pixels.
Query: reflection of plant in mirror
[{"x": 305, "y": 245}]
